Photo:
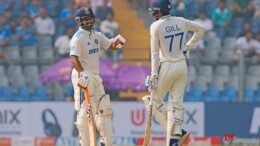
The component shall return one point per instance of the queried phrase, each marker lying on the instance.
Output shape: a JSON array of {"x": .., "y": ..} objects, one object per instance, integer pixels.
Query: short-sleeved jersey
[
  {"x": 87, "y": 46},
  {"x": 168, "y": 37}
]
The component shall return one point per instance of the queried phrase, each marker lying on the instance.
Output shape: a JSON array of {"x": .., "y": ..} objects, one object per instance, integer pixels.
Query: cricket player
[
  {"x": 169, "y": 69},
  {"x": 85, "y": 48}
]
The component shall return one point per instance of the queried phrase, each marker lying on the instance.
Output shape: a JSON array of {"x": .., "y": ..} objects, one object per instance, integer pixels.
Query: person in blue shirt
[
  {"x": 222, "y": 18},
  {"x": 25, "y": 34},
  {"x": 67, "y": 15},
  {"x": 102, "y": 12},
  {"x": 34, "y": 9},
  {"x": 3, "y": 6},
  {"x": 4, "y": 37},
  {"x": 5, "y": 33}
]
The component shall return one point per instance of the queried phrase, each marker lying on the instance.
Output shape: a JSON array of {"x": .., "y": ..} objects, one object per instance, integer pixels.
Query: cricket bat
[
  {"x": 91, "y": 121},
  {"x": 149, "y": 123}
]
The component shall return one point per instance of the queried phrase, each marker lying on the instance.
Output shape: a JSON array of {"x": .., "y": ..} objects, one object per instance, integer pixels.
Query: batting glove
[
  {"x": 83, "y": 80},
  {"x": 186, "y": 54},
  {"x": 151, "y": 83},
  {"x": 119, "y": 41}
]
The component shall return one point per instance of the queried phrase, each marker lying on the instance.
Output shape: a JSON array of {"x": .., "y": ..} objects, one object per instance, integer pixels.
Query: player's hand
[
  {"x": 186, "y": 54},
  {"x": 151, "y": 83},
  {"x": 83, "y": 80},
  {"x": 119, "y": 41}
]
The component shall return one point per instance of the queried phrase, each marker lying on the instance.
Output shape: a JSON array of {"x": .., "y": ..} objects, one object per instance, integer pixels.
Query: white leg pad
[
  {"x": 104, "y": 122},
  {"x": 159, "y": 111},
  {"x": 82, "y": 125}
]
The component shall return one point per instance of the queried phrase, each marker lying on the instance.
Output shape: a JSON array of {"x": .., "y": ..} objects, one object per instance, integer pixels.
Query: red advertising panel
[
  {"x": 5, "y": 141},
  {"x": 203, "y": 141},
  {"x": 44, "y": 141}
]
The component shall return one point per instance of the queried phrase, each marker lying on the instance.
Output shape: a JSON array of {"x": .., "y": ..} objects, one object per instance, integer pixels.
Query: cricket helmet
[
  {"x": 85, "y": 18},
  {"x": 163, "y": 6}
]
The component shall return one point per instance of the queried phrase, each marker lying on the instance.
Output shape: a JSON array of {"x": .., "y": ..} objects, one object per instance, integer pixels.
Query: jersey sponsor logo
[
  {"x": 78, "y": 34},
  {"x": 172, "y": 28},
  {"x": 92, "y": 51}
]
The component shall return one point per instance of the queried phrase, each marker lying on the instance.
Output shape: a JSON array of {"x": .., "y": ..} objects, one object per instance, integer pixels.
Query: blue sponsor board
[{"x": 240, "y": 119}]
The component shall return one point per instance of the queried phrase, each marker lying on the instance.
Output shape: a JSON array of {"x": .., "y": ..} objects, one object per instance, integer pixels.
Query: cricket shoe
[{"x": 185, "y": 135}]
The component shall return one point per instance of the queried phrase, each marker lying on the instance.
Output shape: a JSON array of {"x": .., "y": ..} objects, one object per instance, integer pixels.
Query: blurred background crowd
[{"x": 34, "y": 34}]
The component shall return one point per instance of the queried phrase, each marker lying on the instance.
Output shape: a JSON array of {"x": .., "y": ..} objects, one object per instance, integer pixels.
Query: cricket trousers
[{"x": 101, "y": 107}]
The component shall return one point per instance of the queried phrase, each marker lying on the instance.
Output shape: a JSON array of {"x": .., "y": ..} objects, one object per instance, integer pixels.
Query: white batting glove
[
  {"x": 186, "y": 54},
  {"x": 83, "y": 80},
  {"x": 119, "y": 41},
  {"x": 151, "y": 83}
]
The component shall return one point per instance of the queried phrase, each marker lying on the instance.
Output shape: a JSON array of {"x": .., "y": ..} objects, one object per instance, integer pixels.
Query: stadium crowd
[{"x": 35, "y": 33}]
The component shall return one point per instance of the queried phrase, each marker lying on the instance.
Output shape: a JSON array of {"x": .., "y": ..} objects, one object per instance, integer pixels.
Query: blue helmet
[
  {"x": 85, "y": 18},
  {"x": 163, "y": 6}
]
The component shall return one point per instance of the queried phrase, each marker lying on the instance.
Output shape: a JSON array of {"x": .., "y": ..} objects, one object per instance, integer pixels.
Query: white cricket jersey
[
  {"x": 168, "y": 37},
  {"x": 87, "y": 46}
]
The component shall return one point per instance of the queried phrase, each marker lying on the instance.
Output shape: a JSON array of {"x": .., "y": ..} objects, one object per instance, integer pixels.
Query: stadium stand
[{"x": 214, "y": 76}]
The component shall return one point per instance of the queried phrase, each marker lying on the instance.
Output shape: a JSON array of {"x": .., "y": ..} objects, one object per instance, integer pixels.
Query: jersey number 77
[{"x": 180, "y": 35}]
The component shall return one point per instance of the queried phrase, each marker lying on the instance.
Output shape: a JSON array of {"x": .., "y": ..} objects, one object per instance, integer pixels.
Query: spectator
[
  {"x": 10, "y": 21},
  {"x": 257, "y": 44},
  {"x": 3, "y": 6},
  {"x": 221, "y": 18},
  {"x": 67, "y": 15},
  {"x": 103, "y": 11},
  {"x": 4, "y": 37},
  {"x": 99, "y": 3},
  {"x": 208, "y": 24},
  {"x": 34, "y": 9},
  {"x": 62, "y": 47},
  {"x": 242, "y": 8},
  {"x": 25, "y": 34},
  {"x": 256, "y": 4},
  {"x": 179, "y": 8},
  {"x": 246, "y": 45},
  {"x": 109, "y": 26},
  {"x": 247, "y": 28},
  {"x": 44, "y": 24},
  {"x": 5, "y": 33}
]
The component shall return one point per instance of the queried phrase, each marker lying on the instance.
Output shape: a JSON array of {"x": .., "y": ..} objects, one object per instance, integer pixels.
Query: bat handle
[{"x": 87, "y": 96}]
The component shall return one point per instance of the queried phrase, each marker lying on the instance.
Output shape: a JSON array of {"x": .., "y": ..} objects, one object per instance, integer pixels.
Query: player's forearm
[
  {"x": 155, "y": 65},
  {"x": 198, "y": 34},
  {"x": 113, "y": 47},
  {"x": 76, "y": 64}
]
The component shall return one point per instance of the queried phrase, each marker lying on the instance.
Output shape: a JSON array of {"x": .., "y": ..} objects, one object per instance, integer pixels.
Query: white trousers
[
  {"x": 99, "y": 101},
  {"x": 172, "y": 78}
]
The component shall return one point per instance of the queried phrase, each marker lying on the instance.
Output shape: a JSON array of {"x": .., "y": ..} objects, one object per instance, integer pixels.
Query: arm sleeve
[
  {"x": 198, "y": 30},
  {"x": 155, "y": 44},
  {"x": 104, "y": 41},
  {"x": 75, "y": 46}
]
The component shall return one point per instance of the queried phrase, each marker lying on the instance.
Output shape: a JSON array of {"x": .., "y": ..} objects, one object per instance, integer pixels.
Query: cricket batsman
[
  {"x": 85, "y": 48},
  {"x": 169, "y": 69}
]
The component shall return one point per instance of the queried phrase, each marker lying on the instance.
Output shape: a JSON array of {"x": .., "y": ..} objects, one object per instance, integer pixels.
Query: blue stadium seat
[
  {"x": 22, "y": 94},
  {"x": 229, "y": 94},
  {"x": 249, "y": 94},
  {"x": 69, "y": 91},
  {"x": 212, "y": 94},
  {"x": 195, "y": 94},
  {"x": 40, "y": 94},
  {"x": 6, "y": 93}
]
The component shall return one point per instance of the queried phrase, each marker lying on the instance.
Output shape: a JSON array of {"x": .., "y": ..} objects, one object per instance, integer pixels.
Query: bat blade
[
  {"x": 148, "y": 128},
  {"x": 91, "y": 122}
]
